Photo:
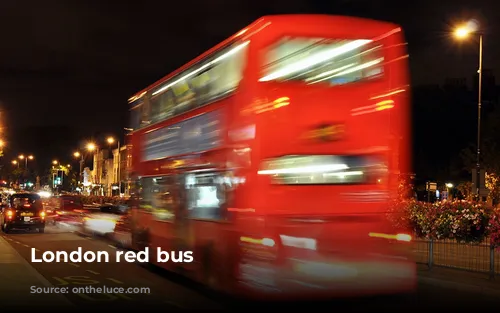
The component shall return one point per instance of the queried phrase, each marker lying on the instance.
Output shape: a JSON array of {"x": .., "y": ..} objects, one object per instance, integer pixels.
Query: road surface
[{"x": 170, "y": 292}]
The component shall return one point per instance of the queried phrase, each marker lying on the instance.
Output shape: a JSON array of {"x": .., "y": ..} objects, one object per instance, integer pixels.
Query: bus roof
[{"x": 284, "y": 21}]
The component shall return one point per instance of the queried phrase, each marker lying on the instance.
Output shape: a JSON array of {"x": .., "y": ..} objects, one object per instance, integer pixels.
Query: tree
[{"x": 490, "y": 155}]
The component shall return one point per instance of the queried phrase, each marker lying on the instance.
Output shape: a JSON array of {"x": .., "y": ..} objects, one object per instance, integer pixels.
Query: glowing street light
[
  {"x": 449, "y": 185},
  {"x": 91, "y": 146},
  {"x": 465, "y": 30},
  {"x": 21, "y": 157},
  {"x": 55, "y": 162},
  {"x": 111, "y": 141},
  {"x": 77, "y": 154},
  {"x": 462, "y": 32}
]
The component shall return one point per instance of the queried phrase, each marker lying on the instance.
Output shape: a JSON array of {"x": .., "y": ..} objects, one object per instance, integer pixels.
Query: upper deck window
[
  {"x": 319, "y": 60},
  {"x": 209, "y": 80},
  {"x": 136, "y": 114}
]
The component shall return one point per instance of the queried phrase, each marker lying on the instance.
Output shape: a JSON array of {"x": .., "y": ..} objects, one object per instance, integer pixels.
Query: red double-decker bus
[{"x": 273, "y": 157}]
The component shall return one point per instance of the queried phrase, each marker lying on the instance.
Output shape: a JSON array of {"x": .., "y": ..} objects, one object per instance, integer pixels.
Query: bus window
[
  {"x": 206, "y": 196},
  {"x": 207, "y": 81},
  {"x": 136, "y": 114},
  {"x": 311, "y": 60},
  {"x": 162, "y": 106},
  {"x": 157, "y": 197}
]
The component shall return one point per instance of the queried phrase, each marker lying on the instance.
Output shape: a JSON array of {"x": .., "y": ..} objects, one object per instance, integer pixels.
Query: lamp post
[
  {"x": 90, "y": 147},
  {"x": 80, "y": 174},
  {"x": 463, "y": 32},
  {"x": 55, "y": 173},
  {"x": 448, "y": 188},
  {"x": 110, "y": 141}
]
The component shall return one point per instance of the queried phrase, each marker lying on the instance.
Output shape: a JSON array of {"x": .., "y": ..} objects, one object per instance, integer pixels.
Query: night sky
[{"x": 68, "y": 67}]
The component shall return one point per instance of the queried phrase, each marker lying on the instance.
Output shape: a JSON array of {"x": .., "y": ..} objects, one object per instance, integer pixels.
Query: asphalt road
[{"x": 170, "y": 292}]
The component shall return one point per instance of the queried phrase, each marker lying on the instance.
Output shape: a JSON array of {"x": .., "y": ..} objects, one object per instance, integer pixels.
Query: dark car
[
  {"x": 23, "y": 211},
  {"x": 65, "y": 209}
]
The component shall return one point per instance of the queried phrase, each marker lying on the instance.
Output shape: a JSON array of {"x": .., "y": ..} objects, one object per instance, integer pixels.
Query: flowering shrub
[{"x": 464, "y": 221}]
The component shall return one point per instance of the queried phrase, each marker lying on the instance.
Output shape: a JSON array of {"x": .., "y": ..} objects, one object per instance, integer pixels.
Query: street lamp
[
  {"x": 91, "y": 146},
  {"x": 22, "y": 157},
  {"x": 463, "y": 32},
  {"x": 14, "y": 162},
  {"x": 55, "y": 162},
  {"x": 448, "y": 187},
  {"x": 110, "y": 141}
]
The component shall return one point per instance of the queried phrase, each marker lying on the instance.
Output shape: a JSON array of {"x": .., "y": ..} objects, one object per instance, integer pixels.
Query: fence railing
[{"x": 481, "y": 257}]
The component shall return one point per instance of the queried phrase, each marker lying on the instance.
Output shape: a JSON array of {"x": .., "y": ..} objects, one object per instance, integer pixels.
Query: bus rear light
[{"x": 398, "y": 237}]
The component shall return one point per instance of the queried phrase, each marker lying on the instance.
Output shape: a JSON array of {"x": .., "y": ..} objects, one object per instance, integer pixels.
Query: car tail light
[
  {"x": 42, "y": 215},
  {"x": 10, "y": 214}
]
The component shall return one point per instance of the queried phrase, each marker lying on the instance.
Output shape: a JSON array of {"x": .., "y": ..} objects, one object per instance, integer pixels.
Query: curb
[
  {"x": 32, "y": 271},
  {"x": 459, "y": 286}
]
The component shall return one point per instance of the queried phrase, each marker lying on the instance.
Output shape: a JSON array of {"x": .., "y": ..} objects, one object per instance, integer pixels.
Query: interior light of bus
[
  {"x": 399, "y": 237},
  {"x": 202, "y": 68},
  {"x": 315, "y": 59},
  {"x": 327, "y": 75},
  {"x": 268, "y": 242},
  {"x": 305, "y": 169},
  {"x": 359, "y": 67},
  {"x": 344, "y": 174}
]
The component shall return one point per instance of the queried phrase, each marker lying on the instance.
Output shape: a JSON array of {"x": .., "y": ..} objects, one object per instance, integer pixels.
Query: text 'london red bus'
[{"x": 274, "y": 156}]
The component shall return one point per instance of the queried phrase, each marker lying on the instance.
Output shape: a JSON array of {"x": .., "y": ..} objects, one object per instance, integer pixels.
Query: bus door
[
  {"x": 202, "y": 215},
  {"x": 183, "y": 240}
]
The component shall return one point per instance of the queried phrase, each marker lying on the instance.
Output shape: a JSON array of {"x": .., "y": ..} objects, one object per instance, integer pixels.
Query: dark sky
[{"x": 71, "y": 65}]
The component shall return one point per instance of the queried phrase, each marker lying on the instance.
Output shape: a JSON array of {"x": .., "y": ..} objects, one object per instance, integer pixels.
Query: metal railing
[{"x": 481, "y": 257}]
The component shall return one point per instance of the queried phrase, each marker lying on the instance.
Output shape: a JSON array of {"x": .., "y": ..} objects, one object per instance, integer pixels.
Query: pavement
[
  {"x": 439, "y": 288},
  {"x": 18, "y": 277}
]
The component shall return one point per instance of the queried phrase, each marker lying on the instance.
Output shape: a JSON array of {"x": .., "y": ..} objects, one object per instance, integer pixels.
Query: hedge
[{"x": 461, "y": 220}]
